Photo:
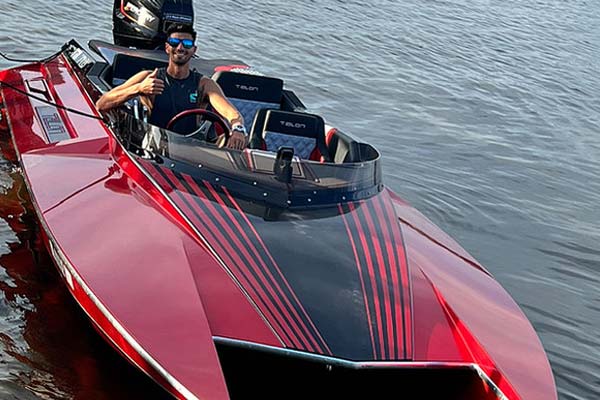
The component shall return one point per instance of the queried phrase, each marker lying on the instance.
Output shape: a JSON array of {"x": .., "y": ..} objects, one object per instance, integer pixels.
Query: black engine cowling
[{"x": 142, "y": 23}]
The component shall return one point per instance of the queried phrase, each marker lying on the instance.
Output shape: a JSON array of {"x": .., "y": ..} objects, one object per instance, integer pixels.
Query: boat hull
[{"x": 182, "y": 275}]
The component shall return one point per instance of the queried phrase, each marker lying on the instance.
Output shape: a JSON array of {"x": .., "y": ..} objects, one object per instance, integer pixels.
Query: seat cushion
[{"x": 303, "y": 146}]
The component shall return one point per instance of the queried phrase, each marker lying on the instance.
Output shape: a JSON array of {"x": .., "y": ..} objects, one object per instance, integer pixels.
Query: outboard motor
[{"x": 142, "y": 23}]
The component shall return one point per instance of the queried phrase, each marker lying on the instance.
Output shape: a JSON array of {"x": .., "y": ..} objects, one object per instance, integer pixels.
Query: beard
[
  {"x": 180, "y": 58},
  {"x": 180, "y": 62}
]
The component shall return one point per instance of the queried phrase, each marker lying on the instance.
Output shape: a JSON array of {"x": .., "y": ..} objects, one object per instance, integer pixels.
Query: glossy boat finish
[
  {"x": 164, "y": 261},
  {"x": 122, "y": 277}
]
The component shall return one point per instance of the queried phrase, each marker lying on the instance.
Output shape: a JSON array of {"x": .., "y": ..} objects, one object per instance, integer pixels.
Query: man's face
[{"x": 178, "y": 54}]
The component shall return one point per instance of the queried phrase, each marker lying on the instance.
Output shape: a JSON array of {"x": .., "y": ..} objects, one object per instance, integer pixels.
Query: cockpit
[
  {"x": 293, "y": 158},
  {"x": 274, "y": 116}
]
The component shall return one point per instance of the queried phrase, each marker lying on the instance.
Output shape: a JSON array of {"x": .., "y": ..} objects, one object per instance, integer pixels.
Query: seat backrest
[
  {"x": 304, "y": 132},
  {"x": 250, "y": 93},
  {"x": 342, "y": 147},
  {"x": 125, "y": 66}
]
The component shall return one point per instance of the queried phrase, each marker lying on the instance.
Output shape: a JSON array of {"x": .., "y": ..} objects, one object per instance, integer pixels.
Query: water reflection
[{"x": 49, "y": 349}]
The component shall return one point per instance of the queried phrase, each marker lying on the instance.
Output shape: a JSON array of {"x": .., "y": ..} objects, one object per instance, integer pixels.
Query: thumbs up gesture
[{"x": 151, "y": 85}]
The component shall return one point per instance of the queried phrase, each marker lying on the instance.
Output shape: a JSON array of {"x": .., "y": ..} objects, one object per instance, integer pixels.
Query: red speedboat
[{"x": 287, "y": 269}]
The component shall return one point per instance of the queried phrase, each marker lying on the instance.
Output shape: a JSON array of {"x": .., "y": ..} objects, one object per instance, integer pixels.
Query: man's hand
[
  {"x": 151, "y": 85},
  {"x": 237, "y": 141}
]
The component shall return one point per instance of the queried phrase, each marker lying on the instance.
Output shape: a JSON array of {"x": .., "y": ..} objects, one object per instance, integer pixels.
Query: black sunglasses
[{"x": 174, "y": 42}]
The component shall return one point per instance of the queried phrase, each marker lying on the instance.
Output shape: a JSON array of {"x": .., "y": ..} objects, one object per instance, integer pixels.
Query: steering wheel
[{"x": 209, "y": 116}]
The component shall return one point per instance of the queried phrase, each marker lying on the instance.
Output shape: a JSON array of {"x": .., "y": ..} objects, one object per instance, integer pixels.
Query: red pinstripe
[
  {"x": 404, "y": 275},
  {"x": 250, "y": 284},
  {"x": 371, "y": 270},
  {"x": 325, "y": 348},
  {"x": 260, "y": 272},
  {"x": 387, "y": 299},
  {"x": 362, "y": 281},
  {"x": 306, "y": 331},
  {"x": 389, "y": 247}
]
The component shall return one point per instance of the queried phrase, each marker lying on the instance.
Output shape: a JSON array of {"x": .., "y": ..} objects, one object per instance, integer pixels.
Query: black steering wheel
[{"x": 207, "y": 115}]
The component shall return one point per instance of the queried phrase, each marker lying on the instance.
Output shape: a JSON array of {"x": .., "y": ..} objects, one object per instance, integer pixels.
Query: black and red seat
[
  {"x": 250, "y": 93},
  {"x": 304, "y": 132}
]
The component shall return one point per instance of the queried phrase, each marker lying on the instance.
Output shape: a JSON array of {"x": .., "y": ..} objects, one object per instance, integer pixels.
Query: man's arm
[
  {"x": 143, "y": 83},
  {"x": 226, "y": 109}
]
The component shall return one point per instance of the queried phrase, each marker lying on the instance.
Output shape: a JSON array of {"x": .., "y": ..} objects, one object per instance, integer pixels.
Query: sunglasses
[{"x": 174, "y": 42}]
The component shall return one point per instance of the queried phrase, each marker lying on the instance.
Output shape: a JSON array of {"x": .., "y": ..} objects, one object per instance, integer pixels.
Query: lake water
[{"x": 488, "y": 117}]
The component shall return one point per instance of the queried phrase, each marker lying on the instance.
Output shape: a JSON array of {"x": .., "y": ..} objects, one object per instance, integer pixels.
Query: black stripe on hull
[
  {"x": 250, "y": 259},
  {"x": 300, "y": 316},
  {"x": 332, "y": 281}
]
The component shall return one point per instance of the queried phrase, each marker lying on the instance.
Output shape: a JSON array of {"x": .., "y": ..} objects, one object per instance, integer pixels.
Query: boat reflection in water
[{"x": 48, "y": 347}]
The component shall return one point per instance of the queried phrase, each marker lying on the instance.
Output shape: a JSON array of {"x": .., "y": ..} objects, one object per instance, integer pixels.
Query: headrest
[
  {"x": 294, "y": 123},
  {"x": 250, "y": 87}
]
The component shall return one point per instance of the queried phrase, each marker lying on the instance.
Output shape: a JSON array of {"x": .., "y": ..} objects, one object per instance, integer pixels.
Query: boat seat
[
  {"x": 250, "y": 93},
  {"x": 342, "y": 147},
  {"x": 305, "y": 133},
  {"x": 125, "y": 66}
]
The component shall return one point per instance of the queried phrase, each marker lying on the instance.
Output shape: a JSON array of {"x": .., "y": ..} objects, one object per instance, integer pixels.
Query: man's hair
[{"x": 181, "y": 28}]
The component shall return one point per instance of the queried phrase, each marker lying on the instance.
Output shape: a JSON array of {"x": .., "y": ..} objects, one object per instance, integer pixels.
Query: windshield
[{"x": 253, "y": 174}]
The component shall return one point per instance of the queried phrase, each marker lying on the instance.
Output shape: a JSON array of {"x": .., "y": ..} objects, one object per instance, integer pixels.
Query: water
[{"x": 488, "y": 117}]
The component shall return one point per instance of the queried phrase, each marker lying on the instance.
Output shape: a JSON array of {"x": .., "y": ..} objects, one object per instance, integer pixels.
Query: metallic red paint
[
  {"x": 488, "y": 326},
  {"x": 124, "y": 249}
]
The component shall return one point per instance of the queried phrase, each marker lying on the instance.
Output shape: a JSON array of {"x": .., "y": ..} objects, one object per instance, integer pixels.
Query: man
[{"x": 171, "y": 90}]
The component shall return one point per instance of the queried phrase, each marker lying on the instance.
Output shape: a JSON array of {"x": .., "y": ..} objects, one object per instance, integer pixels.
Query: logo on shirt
[{"x": 194, "y": 97}]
